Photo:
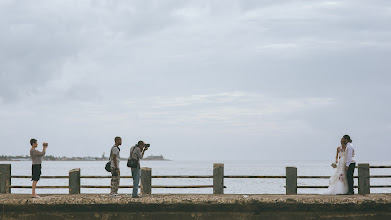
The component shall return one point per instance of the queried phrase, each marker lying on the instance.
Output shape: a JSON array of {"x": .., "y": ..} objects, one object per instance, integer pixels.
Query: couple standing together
[
  {"x": 136, "y": 152},
  {"x": 342, "y": 181}
]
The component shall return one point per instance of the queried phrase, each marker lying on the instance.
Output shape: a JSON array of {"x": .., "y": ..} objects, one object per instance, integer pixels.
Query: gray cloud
[{"x": 267, "y": 74}]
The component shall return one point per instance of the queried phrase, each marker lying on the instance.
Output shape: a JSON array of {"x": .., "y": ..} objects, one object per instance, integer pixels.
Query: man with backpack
[{"x": 115, "y": 173}]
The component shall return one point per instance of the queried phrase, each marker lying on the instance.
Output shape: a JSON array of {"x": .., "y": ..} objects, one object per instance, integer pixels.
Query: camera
[
  {"x": 147, "y": 145},
  {"x": 45, "y": 144}
]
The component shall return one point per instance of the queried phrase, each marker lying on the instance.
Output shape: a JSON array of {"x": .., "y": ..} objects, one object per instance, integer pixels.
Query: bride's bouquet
[{"x": 334, "y": 165}]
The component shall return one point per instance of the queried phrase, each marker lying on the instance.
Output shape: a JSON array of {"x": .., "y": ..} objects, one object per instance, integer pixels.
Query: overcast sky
[{"x": 199, "y": 80}]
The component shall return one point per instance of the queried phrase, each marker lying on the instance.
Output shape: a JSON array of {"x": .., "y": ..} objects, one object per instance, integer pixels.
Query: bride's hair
[{"x": 347, "y": 137}]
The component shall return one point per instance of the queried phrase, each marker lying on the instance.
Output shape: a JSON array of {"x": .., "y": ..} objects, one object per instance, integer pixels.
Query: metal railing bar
[
  {"x": 315, "y": 187},
  {"x": 260, "y": 177},
  {"x": 42, "y": 177},
  {"x": 166, "y": 187},
  {"x": 41, "y": 187}
]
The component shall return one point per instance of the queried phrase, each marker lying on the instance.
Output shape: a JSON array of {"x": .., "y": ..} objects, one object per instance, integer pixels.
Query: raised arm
[
  {"x": 142, "y": 154},
  {"x": 336, "y": 157},
  {"x": 39, "y": 153}
]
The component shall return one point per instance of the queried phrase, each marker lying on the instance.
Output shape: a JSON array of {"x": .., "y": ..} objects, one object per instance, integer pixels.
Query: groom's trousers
[{"x": 349, "y": 176}]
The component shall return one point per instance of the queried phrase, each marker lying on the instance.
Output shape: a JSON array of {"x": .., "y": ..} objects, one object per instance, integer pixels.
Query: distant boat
[
  {"x": 154, "y": 158},
  {"x": 20, "y": 159}
]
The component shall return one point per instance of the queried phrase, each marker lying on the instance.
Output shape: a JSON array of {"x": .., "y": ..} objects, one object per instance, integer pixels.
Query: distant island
[
  {"x": 53, "y": 158},
  {"x": 155, "y": 158}
]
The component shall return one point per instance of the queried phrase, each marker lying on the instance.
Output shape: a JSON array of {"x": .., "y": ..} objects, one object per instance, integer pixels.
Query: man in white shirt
[
  {"x": 350, "y": 163},
  {"x": 115, "y": 173}
]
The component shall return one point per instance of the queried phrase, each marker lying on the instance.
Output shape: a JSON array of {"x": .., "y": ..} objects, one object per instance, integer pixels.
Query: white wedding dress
[{"x": 338, "y": 183}]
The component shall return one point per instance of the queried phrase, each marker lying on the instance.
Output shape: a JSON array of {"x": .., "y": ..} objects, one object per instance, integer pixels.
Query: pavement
[{"x": 197, "y": 203}]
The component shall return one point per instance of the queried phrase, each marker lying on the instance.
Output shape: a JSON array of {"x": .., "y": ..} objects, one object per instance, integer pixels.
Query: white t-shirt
[
  {"x": 350, "y": 154},
  {"x": 114, "y": 151}
]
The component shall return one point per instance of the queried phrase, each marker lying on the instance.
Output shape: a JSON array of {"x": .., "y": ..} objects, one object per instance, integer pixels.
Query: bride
[{"x": 338, "y": 183}]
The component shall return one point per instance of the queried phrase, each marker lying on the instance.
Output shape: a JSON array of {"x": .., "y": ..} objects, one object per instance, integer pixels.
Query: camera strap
[{"x": 134, "y": 147}]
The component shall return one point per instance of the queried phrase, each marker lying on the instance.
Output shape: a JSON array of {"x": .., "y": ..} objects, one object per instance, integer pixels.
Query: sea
[{"x": 233, "y": 185}]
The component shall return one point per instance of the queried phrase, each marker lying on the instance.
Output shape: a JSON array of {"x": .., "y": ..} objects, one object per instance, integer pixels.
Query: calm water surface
[{"x": 234, "y": 186}]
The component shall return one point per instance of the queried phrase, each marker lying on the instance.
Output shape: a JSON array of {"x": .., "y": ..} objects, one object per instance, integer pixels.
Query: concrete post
[
  {"x": 363, "y": 179},
  {"x": 146, "y": 180},
  {"x": 218, "y": 178},
  {"x": 5, "y": 178},
  {"x": 291, "y": 180},
  {"x": 74, "y": 181}
]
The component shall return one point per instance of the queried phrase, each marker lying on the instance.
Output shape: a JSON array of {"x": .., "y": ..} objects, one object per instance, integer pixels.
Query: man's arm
[
  {"x": 138, "y": 153},
  {"x": 349, "y": 159},
  {"x": 39, "y": 153},
  {"x": 142, "y": 155}
]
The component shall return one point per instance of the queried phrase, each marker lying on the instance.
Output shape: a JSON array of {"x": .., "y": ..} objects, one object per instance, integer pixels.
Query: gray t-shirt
[
  {"x": 36, "y": 156},
  {"x": 135, "y": 153},
  {"x": 114, "y": 151}
]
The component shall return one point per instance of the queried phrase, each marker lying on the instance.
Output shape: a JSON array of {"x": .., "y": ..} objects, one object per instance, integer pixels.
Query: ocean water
[{"x": 234, "y": 186}]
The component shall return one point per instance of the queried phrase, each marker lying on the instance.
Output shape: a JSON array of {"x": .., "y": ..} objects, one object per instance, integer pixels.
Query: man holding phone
[{"x": 36, "y": 158}]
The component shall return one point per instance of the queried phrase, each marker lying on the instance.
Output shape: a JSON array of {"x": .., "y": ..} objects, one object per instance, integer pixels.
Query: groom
[{"x": 350, "y": 163}]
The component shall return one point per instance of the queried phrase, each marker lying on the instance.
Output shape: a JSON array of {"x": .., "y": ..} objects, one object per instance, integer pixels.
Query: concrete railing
[
  {"x": 363, "y": 180},
  {"x": 5, "y": 178},
  {"x": 218, "y": 180}
]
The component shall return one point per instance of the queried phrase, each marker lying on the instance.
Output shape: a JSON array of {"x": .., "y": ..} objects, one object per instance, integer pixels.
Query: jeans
[{"x": 136, "y": 180}]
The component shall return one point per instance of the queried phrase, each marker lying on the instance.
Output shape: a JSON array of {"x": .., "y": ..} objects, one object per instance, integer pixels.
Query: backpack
[{"x": 108, "y": 164}]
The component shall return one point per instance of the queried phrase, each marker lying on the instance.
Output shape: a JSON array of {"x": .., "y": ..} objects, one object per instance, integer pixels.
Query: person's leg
[
  {"x": 136, "y": 180},
  {"x": 34, "y": 185},
  {"x": 135, "y": 189},
  {"x": 350, "y": 177},
  {"x": 112, "y": 183},
  {"x": 36, "y": 175},
  {"x": 117, "y": 179}
]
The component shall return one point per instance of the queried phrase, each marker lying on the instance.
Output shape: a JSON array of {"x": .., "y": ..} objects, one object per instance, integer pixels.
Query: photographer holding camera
[
  {"x": 137, "y": 152},
  {"x": 36, "y": 158}
]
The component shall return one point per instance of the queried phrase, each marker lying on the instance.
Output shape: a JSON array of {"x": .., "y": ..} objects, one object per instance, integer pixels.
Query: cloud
[
  {"x": 254, "y": 70},
  {"x": 240, "y": 109}
]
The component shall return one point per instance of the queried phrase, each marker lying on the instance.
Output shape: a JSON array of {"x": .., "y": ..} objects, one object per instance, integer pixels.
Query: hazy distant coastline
[{"x": 53, "y": 158}]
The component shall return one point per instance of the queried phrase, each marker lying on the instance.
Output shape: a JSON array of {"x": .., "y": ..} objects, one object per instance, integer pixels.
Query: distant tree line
[{"x": 51, "y": 158}]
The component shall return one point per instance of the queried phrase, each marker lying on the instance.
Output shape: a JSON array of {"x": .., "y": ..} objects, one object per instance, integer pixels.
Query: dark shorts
[{"x": 36, "y": 172}]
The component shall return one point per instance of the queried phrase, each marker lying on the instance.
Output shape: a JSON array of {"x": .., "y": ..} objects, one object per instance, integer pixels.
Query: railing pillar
[
  {"x": 363, "y": 179},
  {"x": 291, "y": 180},
  {"x": 5, "y": 178},
  {"x": 146, "y": 180},
  {"x": 74, "y": 181},
  {"x": 218, "y": 178}
]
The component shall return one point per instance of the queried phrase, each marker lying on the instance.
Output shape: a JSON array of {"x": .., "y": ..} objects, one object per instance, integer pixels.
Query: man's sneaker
[{"x": 115, "y": 195}]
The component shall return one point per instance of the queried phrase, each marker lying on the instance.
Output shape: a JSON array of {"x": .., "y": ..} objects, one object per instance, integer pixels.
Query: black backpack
[{"x": 108, "y": 164}]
